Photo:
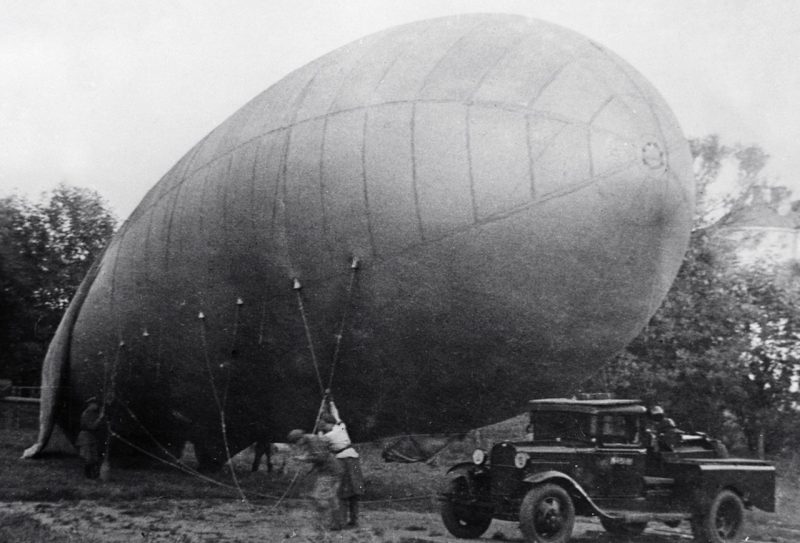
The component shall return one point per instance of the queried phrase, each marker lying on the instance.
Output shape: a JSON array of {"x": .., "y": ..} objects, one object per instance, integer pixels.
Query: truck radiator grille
[{"x": 505, "y": 477}]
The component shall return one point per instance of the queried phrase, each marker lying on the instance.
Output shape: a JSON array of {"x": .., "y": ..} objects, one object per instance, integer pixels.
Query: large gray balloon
[{"x": 517, "y": 196}]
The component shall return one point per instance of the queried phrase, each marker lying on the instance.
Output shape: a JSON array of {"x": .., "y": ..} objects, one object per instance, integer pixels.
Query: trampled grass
[
  {"x": 58, "y": 477},
  {"x": 21, "y": 528}
]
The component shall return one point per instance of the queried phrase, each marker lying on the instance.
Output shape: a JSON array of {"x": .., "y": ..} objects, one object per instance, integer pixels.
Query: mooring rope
[
  {"x": 183, "y": 467},
  {"x": 158, "y": 443},
  {"x": 234, "y": 344},
  {"x": 283, "y": 498},
  {"x": 180, "y": 466},
  {"x": 354, "y": 265},
  {"x": 297, "y": 473},
  {"x": 297, "y": 287},
  {"x": 220, "y": 403},
  {"x": 109, "y": 398},
  {"x": 220, "y": 407}
]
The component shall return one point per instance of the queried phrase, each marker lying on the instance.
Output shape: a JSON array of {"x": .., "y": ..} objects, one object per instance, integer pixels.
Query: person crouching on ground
[
  {"x": 88, "y": 443},
  {"x": 326, "y": 471},
  {"x": 334, "y": 431}
]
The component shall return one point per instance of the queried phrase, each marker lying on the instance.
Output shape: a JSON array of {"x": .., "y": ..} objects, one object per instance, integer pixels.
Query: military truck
[{"x": 609, "y": 458}]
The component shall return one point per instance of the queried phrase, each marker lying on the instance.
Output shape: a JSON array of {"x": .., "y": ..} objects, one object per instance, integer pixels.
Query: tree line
[
  {"x": 46, "y": 247},
  {"x": 721, "y": 354}
]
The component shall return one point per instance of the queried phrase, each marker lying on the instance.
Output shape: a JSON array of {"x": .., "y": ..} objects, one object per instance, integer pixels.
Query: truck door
[
  {"x": 620, "y": 472},
  {"x": 620, "y": 458}
]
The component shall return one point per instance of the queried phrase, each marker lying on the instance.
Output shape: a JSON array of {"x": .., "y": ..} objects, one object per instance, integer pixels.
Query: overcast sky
[{"x": 109, "y": 94}]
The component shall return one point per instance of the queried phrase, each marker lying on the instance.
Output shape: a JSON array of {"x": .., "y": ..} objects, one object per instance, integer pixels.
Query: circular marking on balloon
[{"x": 652, "y": 155}]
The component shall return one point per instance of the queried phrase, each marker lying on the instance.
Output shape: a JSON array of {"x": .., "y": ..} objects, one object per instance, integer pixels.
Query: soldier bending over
[{"x": 327, "y": 476}]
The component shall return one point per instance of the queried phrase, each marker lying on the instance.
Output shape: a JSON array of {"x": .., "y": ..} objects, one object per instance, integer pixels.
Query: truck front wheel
[
  {"x": 722, "y": 521},
  {"x": 547, "y": 515},
  {"x": 461, "y": 519}
]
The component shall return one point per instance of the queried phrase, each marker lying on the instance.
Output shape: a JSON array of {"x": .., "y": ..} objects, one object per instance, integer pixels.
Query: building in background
[{"x": 766, "y": 231}]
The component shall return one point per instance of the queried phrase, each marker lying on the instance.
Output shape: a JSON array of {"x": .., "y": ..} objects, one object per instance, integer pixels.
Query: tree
[
  {"x": 46, "y": 248},
  {"x": 766, "y": 404},
  {"x": 722, "y": 351},
  {"x": 720, "y": 196},
  {"x": 720, "y": 354}
]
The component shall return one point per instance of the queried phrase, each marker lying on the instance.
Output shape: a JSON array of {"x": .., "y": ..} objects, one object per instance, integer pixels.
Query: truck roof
[{"x": 589, "y": 406}]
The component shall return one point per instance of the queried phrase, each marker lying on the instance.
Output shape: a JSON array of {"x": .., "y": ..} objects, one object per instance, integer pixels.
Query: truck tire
[
  {"x": 623, "y": 528},
  {"x": 464, "y": 521},
  {"x": 722, "y": 521},
  {"x": 547, "y": 515}
]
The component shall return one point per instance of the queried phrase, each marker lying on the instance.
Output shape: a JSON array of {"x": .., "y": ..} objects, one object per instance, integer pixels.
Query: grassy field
[{"x": 58, "y": 478}]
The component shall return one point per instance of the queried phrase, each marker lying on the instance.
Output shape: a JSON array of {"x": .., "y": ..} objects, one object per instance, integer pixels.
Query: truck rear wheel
[
  {"x": 463, "y": 521},
  {"x": 547, "y": 515},
  {"x": 722, "y": 521}
]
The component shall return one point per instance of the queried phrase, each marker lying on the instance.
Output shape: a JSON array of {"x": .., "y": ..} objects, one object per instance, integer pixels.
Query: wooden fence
[{"x": 20, "y": 408}]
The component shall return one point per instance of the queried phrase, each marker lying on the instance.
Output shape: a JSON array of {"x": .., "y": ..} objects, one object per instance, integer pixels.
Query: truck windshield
[{"x": 559, "y": 426}]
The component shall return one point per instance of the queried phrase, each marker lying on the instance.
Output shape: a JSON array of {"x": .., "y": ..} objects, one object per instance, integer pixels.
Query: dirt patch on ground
[
  {"x": 162, "y": 504},
  {"x": 190, "y": 521}
]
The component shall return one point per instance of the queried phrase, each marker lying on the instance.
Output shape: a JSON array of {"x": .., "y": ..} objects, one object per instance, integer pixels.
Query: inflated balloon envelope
[{"x": 518, "y": 200}]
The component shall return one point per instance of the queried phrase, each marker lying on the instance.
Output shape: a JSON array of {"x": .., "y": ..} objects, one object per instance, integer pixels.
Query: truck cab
[{"x": 607, "y": 458}]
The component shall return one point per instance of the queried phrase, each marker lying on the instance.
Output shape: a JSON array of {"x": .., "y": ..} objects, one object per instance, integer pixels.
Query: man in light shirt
[{"x": 334, "y": 431}]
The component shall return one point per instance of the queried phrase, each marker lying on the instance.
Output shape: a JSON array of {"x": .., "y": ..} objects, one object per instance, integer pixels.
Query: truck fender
[
  {"x": 571, "y": 485},
  {"x": 469, "y": 471},
  {"x": 543, "y": 476}
]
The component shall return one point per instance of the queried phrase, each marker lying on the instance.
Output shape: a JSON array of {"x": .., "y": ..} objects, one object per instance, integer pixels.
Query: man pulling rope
[{"x": 334, "y": 431}]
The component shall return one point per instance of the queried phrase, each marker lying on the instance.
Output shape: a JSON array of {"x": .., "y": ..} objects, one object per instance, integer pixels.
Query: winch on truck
[{"x": 609, "y": 458}]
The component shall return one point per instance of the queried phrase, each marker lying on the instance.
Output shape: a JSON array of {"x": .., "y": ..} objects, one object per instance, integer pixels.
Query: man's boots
[{"x": 353, "y": 503}]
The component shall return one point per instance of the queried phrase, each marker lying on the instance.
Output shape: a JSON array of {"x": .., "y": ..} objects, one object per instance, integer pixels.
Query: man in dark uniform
[
  {"x": 661, "y": 429},
  {"x": 326, "y": 471},
  {"x": 262, "y": 447},
  {"x": 88, "y": 443}
]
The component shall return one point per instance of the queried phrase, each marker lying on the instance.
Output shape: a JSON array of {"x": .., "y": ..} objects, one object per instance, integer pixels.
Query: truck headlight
[
  {"x": 520, "y": 459},
  {"x": 478, "y": 457}
]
